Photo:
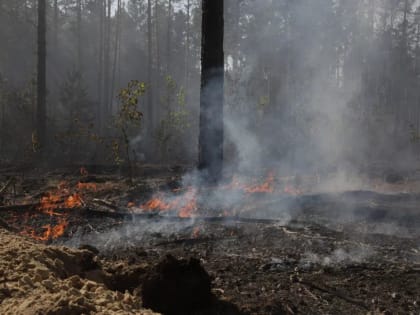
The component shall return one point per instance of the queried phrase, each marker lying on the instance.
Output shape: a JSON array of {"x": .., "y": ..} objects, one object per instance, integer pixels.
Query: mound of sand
[{"x": 47, "y": 280}]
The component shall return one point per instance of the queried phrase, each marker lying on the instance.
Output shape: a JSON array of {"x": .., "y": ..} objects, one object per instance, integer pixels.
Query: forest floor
[{"x": 87, "y": 242}]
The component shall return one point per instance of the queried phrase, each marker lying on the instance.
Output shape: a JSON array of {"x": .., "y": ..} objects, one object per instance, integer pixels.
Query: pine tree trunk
[
  {"x": 99, "y": 113},
  {"x": 55, "y": 24},
  {"x": 212, "y": 86},
  {"x": 169, "y": 40},
  {"x": 116, "y": 50},
  {"x": 41, "y": 75},
  {"x": 158, "y": 67},
  {"x": 107, "y": 58},
  {"x": 150, "y": 108},
  {"x": 79, "y": 35},
  {"x": 187, "y": 48},
  {"x": 3, "y": 122}
]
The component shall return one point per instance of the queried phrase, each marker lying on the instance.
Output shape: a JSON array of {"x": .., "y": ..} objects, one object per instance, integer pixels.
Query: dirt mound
[
  {"x": 177, "y": 287},
  {"x": 39, "y": 279}
]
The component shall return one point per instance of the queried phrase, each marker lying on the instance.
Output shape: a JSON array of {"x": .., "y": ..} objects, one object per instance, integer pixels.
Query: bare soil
[{"x": 351, "y": 252}]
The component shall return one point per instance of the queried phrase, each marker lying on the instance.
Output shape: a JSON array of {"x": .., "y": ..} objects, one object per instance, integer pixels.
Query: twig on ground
[
  {"x": 335, "y": 293},
  {"x": 8, "y": 183}
]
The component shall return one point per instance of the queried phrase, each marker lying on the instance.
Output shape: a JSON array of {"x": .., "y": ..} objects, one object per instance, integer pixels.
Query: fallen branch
[
  {"x": 8, "y": 183},
  {"x": 106, "y": 203},
  {"x": 28, "y": 206},
  {"x": 190, "y": 241},
  {"x": 335, "y": 293}
]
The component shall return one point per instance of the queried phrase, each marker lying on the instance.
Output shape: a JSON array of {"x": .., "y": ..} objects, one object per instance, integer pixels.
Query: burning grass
[{"x": 319, "y": 261}]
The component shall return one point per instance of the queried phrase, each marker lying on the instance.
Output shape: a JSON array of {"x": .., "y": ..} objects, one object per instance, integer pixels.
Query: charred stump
[{"x": 177, "y": 287}]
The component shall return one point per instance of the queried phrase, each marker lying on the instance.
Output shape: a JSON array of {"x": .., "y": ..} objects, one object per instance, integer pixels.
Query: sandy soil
[{"x": 39, "y": 279}]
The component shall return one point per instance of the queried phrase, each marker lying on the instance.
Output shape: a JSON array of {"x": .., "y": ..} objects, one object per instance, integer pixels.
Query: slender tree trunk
[
  {"x": 116, "y": 50},
  {"x": 157, "y": 34},
  {"x": 158, "y": 67},
  {"x": 99, "y": 114},
  {"x": 169, "y": 89},
  {"x": 79, "y": 35},
  {"x": 405, "y": 27},
  {"x": 41, "y": 112},
  {"x": 187, "y": 48},
  {"x": 150, "y": 108},
  {"x": 212, "y": 86},
  {"x": 3, "y": 121},
  {"x": 169, "y": 40},
  {"x": 107, "y": 58},
  {"x": 55, "y": 24}
]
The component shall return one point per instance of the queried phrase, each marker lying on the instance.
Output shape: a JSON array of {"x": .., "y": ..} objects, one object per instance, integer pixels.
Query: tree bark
[
  {"x": 212, "y": 87},
  {"x": 158, "y": 67},
  {"x": 41, "y": 75},
  {"x": 79, "y": 35},
  {"x": 55, "y": 24},
  {"x": 169, "y": 40},
  {"x": 116, "y": 50},
  {"x": 107, "y": 59},
  {"x": 187, "y": 48},
  {"x": 150, "y": 108},
  {"x": 99, "y": 114}
]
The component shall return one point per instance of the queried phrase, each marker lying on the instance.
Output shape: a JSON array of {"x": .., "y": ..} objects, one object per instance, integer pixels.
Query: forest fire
[
  {"x": 50, "y": 231},
  {"x": 185, "y": 205},
  {"x": 184, "y": 202},
  {"x": 61, "y": 198},
  {"x": 266, "y": 187}
]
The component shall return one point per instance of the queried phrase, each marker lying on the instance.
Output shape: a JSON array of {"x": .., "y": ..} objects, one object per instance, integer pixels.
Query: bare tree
[
  {"x": 150, "y": 108},
  {"x": 187, "y": 45},
  {"x": 212, "y": 86},
  {"x": 55, "y": 23},
  {"x": 79, "y": 35},
  {"x": 115, "y": 62},
  {"x": 41, "y": 112}
]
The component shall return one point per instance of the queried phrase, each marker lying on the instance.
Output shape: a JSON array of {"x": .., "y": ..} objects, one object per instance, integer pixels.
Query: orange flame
[
  {"x": 73, "y": 201},
  {"x": 266, "y": 187},
  {"x": 54, "y": 200},
  {"x": 185, "y": 204},
  {"x": 51, "y": 232},
  {"x": 292, "y": 190},
  {"x": 87, "y": 186}
]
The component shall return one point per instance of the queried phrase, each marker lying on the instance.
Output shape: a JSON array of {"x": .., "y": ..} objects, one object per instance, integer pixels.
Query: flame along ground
[
  {"x": 182, "y": 202},
  {"x": 185, "y": 204},
  {"x": 63, "y": 197}
]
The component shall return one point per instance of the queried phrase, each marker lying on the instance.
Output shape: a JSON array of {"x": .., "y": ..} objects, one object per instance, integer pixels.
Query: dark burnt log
[{"x": 23, "y": 207}]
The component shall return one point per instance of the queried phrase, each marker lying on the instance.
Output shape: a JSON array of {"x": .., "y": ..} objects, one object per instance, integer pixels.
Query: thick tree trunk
[
  {"x": 41, "y": 112},
  {"x": 212, "y": 86}
]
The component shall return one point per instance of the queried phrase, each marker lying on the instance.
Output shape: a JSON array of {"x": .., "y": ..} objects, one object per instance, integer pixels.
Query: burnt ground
[{"x": 350, "y": 252}]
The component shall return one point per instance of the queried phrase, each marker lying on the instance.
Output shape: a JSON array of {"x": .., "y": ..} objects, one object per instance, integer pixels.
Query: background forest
[{"x": 310, "y": 84}]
